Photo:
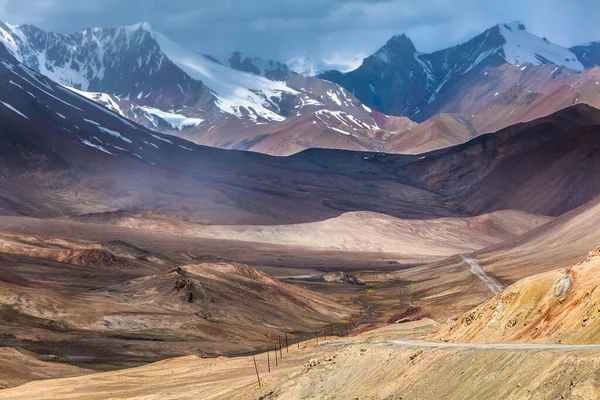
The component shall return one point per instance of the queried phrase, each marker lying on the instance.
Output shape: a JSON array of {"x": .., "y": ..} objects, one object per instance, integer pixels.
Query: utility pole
[
  {"x": 256, "y": 368},
  {"x": 280, "y": 352}
]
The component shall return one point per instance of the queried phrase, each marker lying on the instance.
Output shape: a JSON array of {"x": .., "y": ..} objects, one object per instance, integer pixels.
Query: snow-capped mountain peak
[
  {"x": 398, "y": 47},
  {"x": 399, "y": 80},
  {"x": 522, "y": 47},
  {"x": 136, "y": 61},
  {"x": 400, "y": 40},
  {"x": 80, "y": 60},
  {"x": 147, "y": 26}
]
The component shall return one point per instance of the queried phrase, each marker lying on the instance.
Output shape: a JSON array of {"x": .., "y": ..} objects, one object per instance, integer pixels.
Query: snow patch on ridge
[
  {"x": 14, "y": 109},
  {"x": 114, "y": 133},
  {"x": 98, "y": 147},
  {"x": 101, "y": 98},
  {"x": 176, "y": 121},
  {"x": 161, "y": 138},
  {"x": 342, "y": 119}
]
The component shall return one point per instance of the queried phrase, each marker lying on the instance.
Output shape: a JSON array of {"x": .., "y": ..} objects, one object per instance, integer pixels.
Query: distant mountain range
[
  {"x": 502, "y": 76},
  {"x": 148, "y": 78},
  {"x": 62, "y": 153},
  {"x": 399, "y": 80}
]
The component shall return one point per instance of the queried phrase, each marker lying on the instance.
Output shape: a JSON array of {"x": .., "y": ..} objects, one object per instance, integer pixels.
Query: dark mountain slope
[{"x": 546, "y": 166}]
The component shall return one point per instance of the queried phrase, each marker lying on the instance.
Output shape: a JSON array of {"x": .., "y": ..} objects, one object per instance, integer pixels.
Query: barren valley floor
[{"x": 101, "y": 311}]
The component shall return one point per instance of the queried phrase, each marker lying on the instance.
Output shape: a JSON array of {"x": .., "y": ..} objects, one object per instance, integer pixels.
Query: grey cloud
[{"x": 321, "y": 31}]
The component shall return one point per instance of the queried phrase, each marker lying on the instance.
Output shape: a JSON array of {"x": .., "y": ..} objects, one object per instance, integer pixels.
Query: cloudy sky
[{"x": 322, "y": 33}]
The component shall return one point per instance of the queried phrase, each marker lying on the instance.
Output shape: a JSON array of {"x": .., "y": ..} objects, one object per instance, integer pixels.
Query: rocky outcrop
[
  {"x": 342, "y": 277},
  {"x": 557, "y": 306}
]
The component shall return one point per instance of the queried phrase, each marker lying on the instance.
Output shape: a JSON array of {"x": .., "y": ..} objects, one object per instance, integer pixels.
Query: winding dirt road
[
  {"x": 491, "y": 346},
  {"x": 491, "y": 282}
]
